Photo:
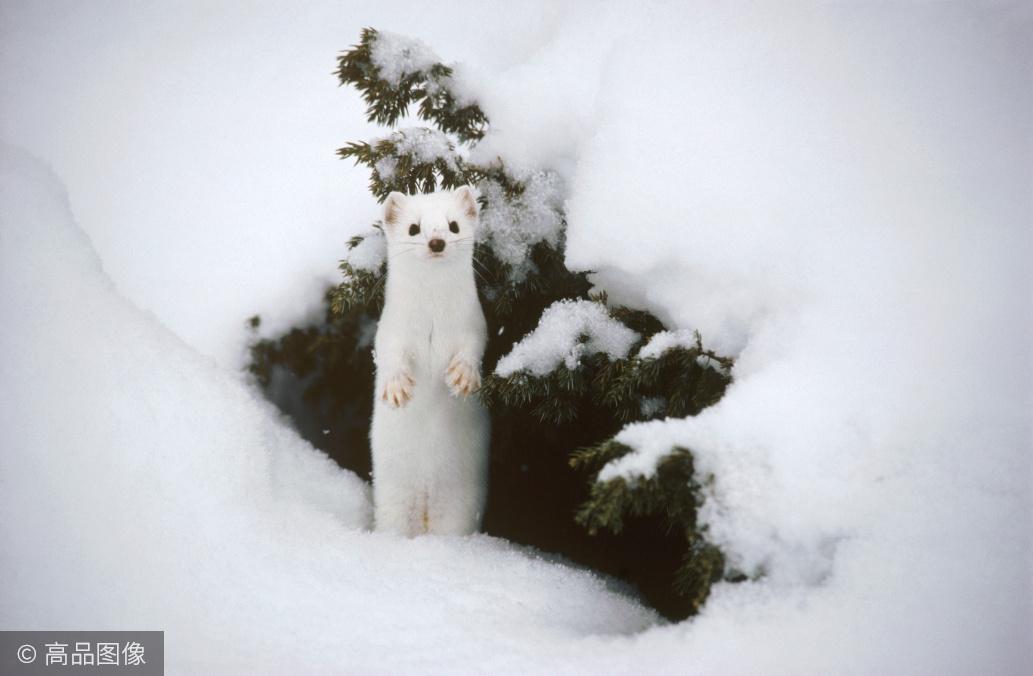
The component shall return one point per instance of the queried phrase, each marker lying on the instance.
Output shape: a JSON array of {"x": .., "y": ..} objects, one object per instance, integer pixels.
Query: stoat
[{"x": 429, "y": 436}]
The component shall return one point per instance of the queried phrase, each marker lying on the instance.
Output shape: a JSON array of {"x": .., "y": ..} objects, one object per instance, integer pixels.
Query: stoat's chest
[
  {"x": 430, "y": 324},
  {"x": 429, "y": 338}
]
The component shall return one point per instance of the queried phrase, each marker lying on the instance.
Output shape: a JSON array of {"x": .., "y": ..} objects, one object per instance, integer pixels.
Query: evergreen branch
[
  {"x": 387, "y": 102},
  {"x": 672, "y": 492},
  {"x": 397, "y": 162}
]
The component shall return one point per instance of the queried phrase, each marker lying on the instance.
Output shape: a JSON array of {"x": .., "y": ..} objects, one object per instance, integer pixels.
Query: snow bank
[
  {"x": 200, "y": 161},
  {"x": 568, "y": 331},
  {"x": 838, "y": 195},
  {"x": 859, "y": 231},
  {"x": 143, "y": 486}
]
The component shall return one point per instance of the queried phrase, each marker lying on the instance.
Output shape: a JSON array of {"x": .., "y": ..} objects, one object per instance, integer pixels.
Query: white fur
[{"x": 429, "y": 435}]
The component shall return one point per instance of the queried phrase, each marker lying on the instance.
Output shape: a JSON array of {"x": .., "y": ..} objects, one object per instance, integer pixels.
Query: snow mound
[
  {"x": 858, "y": 233},
  {"x": 568, "y": 331},
  {"x": 143, "y": 486}
]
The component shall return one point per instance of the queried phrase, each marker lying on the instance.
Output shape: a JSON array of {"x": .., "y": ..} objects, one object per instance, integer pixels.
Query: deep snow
[
  {"x": 837, "y": 194},
  {"x": 144, "y": 486}
]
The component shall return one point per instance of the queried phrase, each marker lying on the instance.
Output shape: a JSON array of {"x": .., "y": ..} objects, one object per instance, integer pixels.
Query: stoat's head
[{"x": 434, "y": 229}]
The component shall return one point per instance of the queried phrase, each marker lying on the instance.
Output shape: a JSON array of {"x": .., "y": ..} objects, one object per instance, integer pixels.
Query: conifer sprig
[
  {"x": 394, "y": 166},
  {"x": 387, "y": 102},
  {"x": 671, "y": 492}
]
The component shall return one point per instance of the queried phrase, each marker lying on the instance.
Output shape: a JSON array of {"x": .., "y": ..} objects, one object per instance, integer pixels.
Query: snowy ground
[{"x": 840, "y": 195}]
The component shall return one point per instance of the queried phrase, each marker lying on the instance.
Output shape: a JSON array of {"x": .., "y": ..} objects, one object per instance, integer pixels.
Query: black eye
[
  {"x": 453, "y": 226},
  {"x": 414, "y": 230}
]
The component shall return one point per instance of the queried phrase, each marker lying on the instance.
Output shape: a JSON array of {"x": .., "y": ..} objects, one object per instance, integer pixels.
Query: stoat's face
[{"x": 435, "y": 228}]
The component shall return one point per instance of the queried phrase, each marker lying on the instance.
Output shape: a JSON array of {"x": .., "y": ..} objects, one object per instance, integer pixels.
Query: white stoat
[{"x": 429, "y": 436}]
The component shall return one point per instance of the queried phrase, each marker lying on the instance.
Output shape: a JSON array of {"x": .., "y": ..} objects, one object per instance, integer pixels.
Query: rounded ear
[
  {"x": 393, "y": 207},
  {"x": 467, "y": 197}
]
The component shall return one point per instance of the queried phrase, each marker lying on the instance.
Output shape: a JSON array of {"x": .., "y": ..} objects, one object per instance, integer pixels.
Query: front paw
[
  {"x": 462, "y": 377},
  {"x": 397, "y": 391}
]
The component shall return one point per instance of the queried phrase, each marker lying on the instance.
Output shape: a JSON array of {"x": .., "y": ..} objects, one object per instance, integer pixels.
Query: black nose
[{"x": 436, "y": 245}]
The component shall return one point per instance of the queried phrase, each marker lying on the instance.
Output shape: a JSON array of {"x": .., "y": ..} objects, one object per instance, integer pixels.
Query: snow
[
  {"x": 386, "y": 167},
  {"x": 426, "y": 145},
  {"x": 201, "y": 162},
  {"x": 399, "y": 55},
  {"x": 568, "y": 331},
  {"x": 650, "y": 406},
  {"x": 855, "y": 230},
  {"x": 512, "y": 226},
  {"x": 838, "y": 194},
  {"x": 370, "y": 253},
  {"x": 144, "y": 486},
  {"x": 662, "y": 341}
]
